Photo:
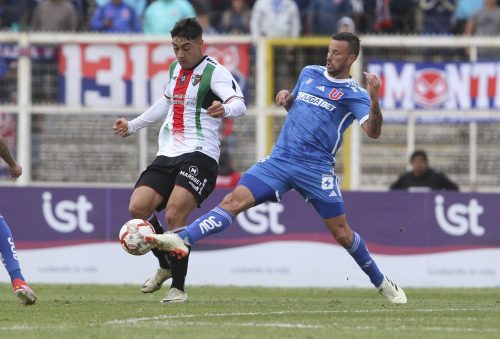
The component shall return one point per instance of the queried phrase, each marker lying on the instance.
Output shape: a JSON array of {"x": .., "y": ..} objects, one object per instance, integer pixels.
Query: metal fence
[{"x": 58, "y": 141}]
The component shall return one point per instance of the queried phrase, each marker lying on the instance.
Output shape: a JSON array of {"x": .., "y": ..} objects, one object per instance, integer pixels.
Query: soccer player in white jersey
[
  {"x": 325, "y": 101},
  {"x": 198, "y": 95},
  {"x": 7, "y": 247}
]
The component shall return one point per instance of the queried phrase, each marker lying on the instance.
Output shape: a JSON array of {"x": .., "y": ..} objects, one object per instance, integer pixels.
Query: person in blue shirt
[
  {"x": 324, "y": 102},
  {"x": 8, "y": 253},
  {"x": 116, "y": 17}
]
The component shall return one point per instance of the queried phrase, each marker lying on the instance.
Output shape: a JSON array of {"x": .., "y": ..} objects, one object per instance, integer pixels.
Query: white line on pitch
[{"x": 236, "y": 314}]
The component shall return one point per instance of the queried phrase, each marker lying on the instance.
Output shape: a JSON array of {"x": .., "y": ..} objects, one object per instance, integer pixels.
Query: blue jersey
[{"x": 322, "y": 109}]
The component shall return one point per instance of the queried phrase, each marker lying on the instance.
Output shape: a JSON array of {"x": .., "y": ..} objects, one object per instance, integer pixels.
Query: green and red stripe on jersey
[{"x": 181, "y": 86}]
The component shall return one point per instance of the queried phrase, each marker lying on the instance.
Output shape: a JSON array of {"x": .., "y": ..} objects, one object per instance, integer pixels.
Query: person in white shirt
[{"x": 199, "y": 93}]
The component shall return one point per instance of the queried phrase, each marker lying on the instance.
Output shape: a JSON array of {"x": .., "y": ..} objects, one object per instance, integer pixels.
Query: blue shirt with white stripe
[{"x": 322, "y": 110}]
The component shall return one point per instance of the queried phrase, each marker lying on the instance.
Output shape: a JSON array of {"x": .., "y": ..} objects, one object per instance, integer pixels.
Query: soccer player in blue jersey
[
  {"x": 324, "y": 102},
  {"x": 7, "y": 247}
]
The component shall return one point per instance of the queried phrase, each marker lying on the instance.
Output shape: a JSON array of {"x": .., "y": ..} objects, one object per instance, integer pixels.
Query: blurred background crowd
[{"x": 272, "y": 18}]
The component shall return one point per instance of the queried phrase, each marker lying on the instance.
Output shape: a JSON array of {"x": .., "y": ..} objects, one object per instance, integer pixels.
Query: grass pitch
[{"x": 108, "y": 311}]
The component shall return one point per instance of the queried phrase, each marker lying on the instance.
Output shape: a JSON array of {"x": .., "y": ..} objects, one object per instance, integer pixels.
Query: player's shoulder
[
  {"x": 211, "y": 61},
  {"x": 356, "y": 90},
  {"x": 218, "y": 70},
  {"x": 314, "y": 69}
]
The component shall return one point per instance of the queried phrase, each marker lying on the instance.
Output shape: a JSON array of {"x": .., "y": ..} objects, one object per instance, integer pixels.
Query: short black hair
[
  {"x": 188, "y": 28},
  {"x": 352, "y": 40},
  {"x": 418, "y": 153}
]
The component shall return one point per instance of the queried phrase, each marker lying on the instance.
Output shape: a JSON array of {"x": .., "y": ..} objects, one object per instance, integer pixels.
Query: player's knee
[
  {"x": 233, "y": 204},
  {"x": 173, "y": 216},
  {"x": 343, "y": 236},
  {"x": 138, "y": 210}
]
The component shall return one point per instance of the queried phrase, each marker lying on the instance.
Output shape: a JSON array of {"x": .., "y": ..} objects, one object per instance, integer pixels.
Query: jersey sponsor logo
[
  {"x": 195, "y": 80},
  {"x": 327, "y": 182},
  {"x": 314, "y": 100},
  {"x": 191, "y": 177},
  {"x": 335, "y": 94},
  {"x": 193, "y": 170},
  {"x": 458, "y": 219}
]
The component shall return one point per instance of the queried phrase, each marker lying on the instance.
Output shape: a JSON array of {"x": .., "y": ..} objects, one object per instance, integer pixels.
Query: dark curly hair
[{"x": 188, "y": 28}]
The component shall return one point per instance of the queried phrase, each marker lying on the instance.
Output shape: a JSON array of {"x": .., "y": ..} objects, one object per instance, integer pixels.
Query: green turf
[{"x": 90, "y": 311}]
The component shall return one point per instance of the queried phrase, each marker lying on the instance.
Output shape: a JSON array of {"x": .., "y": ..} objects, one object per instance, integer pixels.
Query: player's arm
[
  {"x": 373, "y": 125},
  {"x": 14, "y": 168},
  {"x": 224, "y": 86},
  {"x": 234, "y": 107},
  {"x": 155, "y": 113},
  {"x": 284, "y": 98}
]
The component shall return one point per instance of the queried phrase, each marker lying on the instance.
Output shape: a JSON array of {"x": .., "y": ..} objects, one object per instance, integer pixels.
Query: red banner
[{"x": 131, "y": 74}]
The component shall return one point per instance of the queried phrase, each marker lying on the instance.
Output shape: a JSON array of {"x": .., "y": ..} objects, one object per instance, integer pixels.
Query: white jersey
[{"x": 188, "y": 127}]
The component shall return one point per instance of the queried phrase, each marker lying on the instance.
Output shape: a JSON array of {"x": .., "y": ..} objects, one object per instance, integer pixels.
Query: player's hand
[
  {"x": 15, "y": 171},
  {"x": 284, "y": 98},
  {"x": 372, "y": 84},
  {"x": 121, "y": 127},
  {"x": 216, "y": 110}
]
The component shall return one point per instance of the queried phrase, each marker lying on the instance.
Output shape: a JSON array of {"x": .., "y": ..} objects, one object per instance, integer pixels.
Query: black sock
[
  {"x": 162, "y": 256},
  {"x": 179, "y": 271}
]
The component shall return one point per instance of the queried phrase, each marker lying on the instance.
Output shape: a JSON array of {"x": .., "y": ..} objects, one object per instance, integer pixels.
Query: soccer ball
[{"x": 132, "y": 236}]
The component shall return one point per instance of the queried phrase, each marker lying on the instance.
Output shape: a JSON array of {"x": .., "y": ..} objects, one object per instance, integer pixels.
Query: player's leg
[
  {"x": 180, "y": 204},
  {"x": 195, "y": 175},
  {"x": 260, "y": 183},
  {"x": 11, "y": 263},
  {"x": 321, "y": 187},
  {"x": 149, "y": 194},
  {"x": 356, "y": 247}
]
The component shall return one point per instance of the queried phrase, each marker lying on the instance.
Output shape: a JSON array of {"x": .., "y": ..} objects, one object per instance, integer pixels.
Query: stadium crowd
[{"x": 255, "y": 17}]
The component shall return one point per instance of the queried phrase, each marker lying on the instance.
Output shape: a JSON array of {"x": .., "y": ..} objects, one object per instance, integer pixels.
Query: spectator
[
  {"x": 422, "y": 177},
  {"x": 365, "y": 21},
  {"x": 82, "y": 7},
  {"x": 204, "y": 20},
  {"x": 383, "y": 18},
  {"x": 303, "y": 5},
  {"x": 275, "y": 18},
  {"x": 54, "y": 16},
  {"x": 236, "y": 19},
  {"x": 486, "y": 21},
  {"x": 346, "y": 24},
  {"x": 115, "y": 17},
  {"x": 403, "y": 15},
  {"x": 323, "y": 15},
  {"x": 463, "y": 12},
  {"x": 9, "y": 15},
  {"x": 161, "y": 15},
  {"x": 437, "y": 16},
  {"x": 137, "y": 5},
  {"x": 228, "y": 177}
]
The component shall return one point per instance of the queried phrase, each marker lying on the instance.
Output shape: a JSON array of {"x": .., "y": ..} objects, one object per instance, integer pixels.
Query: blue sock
[
  {"x": 8, "y": 251},
  {"x": 213, "y": 222},
  {"x": 363, "y": 258}
]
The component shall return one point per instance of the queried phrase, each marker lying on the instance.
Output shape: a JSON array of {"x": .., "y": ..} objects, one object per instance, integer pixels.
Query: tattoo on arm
[
  {"x": 5, "y": 152},
  {"x": 375, "y": 118}
]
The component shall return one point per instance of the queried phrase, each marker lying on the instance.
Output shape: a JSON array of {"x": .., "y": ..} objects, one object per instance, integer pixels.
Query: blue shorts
[{"x": 270, "y": 178}]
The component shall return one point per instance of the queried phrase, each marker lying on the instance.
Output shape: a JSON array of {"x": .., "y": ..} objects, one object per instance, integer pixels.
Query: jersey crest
[
  {"x": 335, "y": 94},
  {"x": 195, "y": 80}
]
